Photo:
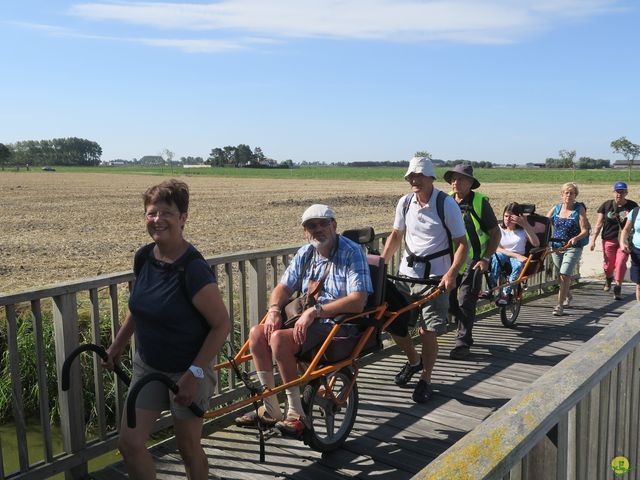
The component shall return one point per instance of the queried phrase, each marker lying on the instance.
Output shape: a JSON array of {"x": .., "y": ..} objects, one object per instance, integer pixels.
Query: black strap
[
  {"x": 634, "y": 215},
  {"x": 143, "y": 254},
  {"x": 412, "y": 257},
  {"x": 440, "y": 209}
]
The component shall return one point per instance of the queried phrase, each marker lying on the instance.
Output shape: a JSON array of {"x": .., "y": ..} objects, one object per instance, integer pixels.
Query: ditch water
[{"x": 35, "y": 446}]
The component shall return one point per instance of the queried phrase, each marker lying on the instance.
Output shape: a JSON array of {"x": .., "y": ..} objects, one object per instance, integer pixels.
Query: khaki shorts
[
  {"x": 433, "y": 314},
  {"x": 567, "y": 261},
  {"x": 156, "y": 396}
]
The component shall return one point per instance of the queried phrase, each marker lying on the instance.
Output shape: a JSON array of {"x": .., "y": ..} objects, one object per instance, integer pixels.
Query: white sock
[
  {"x": 294, "y": 403},
  {"x": 270, "y": 403}
]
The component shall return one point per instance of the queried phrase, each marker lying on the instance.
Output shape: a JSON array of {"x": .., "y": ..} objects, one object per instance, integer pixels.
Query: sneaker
[
  {"x": 558, "y": 311},
  {"x": 404, "y": 376},
  {"x": 503, "y": 301},
  {"x": 607, "y": 284},
  {"x": 459, "y": 353},
  {"x": 617, "y": 292},
  {"x": 293, "y": 427},
  {"x": 423, "y": 392},
  {"x": 567, "y": 301}
]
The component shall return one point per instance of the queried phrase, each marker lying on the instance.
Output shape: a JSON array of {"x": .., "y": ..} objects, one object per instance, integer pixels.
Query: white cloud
[
  {"x": 454, "y": 20},
  {"x": 187, "y": 45},
  {"x": 192, "y": 46},
  {"x": 239, "y": 24}
]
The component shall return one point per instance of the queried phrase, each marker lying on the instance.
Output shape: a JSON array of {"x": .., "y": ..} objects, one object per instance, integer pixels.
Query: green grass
[{"x": 488, "y": 175}]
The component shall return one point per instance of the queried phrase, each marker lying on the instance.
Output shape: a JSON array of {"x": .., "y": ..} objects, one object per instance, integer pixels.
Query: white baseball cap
[
  {"x": 421, "y": 165},
  {"x": 317, "y": 210}
]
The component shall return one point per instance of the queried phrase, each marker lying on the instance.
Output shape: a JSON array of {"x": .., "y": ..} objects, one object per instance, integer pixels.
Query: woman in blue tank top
[{"x": 570, "y": 226}]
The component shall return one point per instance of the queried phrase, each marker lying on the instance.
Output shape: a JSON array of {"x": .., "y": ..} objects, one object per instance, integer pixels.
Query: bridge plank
[{"x": 393, "y": 437}]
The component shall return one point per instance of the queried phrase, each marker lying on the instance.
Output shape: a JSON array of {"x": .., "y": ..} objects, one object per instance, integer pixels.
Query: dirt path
[{"x": 59, "y": 227}]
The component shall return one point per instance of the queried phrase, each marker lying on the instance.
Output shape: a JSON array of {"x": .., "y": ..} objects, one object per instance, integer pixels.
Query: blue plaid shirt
[{"x": 349, "y": 271}]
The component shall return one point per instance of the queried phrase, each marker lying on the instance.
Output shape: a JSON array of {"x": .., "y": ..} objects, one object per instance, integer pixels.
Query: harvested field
[{"x": 67, "y": 226}]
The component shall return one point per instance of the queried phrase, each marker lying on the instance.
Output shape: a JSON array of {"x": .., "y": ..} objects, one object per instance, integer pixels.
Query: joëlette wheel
[{"x": 331, "y": 421}]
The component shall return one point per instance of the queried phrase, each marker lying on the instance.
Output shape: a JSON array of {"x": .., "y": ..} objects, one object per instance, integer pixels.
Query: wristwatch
[
  {"x": 318, "y": 308},
  {"x": 197, "y": 372},
  {"x": 486, "y": 259}
]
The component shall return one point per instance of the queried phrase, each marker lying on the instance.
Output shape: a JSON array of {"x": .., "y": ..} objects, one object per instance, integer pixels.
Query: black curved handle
[
  {"x": 153, "y": 377},
  {"x": 99, "y": 349}
]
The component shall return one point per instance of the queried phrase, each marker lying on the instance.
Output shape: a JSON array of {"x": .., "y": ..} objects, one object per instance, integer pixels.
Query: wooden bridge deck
[{"x": 393, "y": 438}]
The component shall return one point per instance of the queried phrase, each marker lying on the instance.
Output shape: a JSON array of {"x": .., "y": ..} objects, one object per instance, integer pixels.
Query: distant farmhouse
[
  {"x": 625, "y": 163},
  {"x": 117, "y": 163}
]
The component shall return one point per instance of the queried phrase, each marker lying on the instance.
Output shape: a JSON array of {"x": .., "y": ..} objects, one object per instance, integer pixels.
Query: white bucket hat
[
  {"x": 317, "y": 210},
  {"x": 421, "y": 165}
]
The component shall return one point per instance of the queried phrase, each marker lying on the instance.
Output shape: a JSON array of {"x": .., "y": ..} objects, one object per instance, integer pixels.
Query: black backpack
[{"x": 142, "y": 255}]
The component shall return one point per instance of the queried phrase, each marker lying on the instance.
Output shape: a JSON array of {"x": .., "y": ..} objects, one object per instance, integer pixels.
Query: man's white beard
[{"x": 317, "y": 243}]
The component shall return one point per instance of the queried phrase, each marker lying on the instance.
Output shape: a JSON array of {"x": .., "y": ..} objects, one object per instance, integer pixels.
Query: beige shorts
[{"x": 156, "y": 395}]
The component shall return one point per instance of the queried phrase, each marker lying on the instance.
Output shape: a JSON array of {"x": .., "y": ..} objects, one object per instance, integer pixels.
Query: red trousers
[{"x": 615, "y": 260}]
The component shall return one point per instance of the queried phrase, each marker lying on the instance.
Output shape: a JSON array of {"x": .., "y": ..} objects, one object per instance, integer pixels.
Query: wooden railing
[
  {"x": 90, "y": 310},
  {"x": 570, "y": 424}
]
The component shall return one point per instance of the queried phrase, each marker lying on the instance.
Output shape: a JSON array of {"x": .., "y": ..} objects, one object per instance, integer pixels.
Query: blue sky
[{"x": 325, "y": 80}]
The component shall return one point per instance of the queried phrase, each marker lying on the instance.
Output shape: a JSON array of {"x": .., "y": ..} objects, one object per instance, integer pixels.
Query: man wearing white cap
[
  {"x": 333, "y": 271},
  {"x": 436, "y": 248}
]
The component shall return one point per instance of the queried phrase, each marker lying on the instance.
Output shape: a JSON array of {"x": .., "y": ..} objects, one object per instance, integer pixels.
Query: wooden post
[
  {"x": 635, "y": 407},
  {"x": 65, "y": 321},
  {"x": 562, "y": 447},
  {"x": 257, "y": 290},
  {"x": 571, "y": 444},
  {"x": 594, "y": 434},
  {"x": 16, "y": 388}
]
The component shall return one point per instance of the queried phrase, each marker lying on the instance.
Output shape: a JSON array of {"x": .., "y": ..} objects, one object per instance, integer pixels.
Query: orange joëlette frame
[
  {"x": 314, "y": 370},
  {"x": 525, "y": 276}
]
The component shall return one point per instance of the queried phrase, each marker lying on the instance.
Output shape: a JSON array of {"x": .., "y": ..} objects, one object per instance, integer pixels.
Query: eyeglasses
[
  {"x": 569, "y": 192},
  {"x": 162, "y": 215},
  {"x": 319, "y": 223},
  {"x": 621, "y": 192}
]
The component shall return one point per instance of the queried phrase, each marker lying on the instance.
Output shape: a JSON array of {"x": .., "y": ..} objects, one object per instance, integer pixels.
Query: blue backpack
[{"x": 575, "y": 216}]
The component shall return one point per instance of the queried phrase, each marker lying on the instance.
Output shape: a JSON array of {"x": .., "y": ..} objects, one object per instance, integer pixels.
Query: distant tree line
[
  {"x": 191, "y": 160},
  {"x": 58, "y": 151},
  {"x": 405, "y": 163},
  {"x": 239, "y": 156},
  {"x": 402, "y": 163},
  {"x": 567, "y": 160},
  {"x": 453, "y": 163}
]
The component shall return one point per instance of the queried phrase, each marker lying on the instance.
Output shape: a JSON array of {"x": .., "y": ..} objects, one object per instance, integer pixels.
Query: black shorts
[{"x": 634, "y": 269}]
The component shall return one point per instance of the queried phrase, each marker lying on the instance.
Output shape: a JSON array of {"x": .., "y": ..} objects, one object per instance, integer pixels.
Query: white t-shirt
[
  {"x": 425, "y": 234},
  {"x": 513, "y": 240}
]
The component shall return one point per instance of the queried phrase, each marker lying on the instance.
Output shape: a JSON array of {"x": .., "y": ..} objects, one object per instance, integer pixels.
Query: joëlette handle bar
[
  {"x": 564, "y": 246},
  {"x": 99, "y": 349},
  {"x": 420, "y": 281},
  {"x": 153, "y": 377}
]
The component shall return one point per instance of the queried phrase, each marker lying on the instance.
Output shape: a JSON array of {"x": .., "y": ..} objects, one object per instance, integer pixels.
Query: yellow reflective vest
[{"x": 477, "y": 238}]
